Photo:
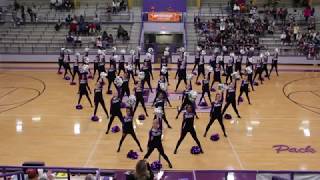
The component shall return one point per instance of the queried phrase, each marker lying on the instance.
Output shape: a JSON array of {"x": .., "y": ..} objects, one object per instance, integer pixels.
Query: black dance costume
[
  {"x": 205, "y": 88},
  {"x": 60, "y": 61},
  {"x": 180, "y": 60},
  {"x": 250, "y": 79},
  {"x": 229, "y": 70},
  {"x": 147, "y": 79},
  {"x": 274, "y": 64},
  {"x": 121, "y": 64},
  {"x": 196, "y": 60},
  {"x": 238, "y": 65},
  {"x": 265, "y": 66},
  {"x": 155, "y": 142},
  {"x": 137, "y": 62},
  {"x": 84, "y": 87},
  {"x": 231, "y": 99},
  {"x": 130, "y": 70},
  {"x": 221, "y": 62},
  {"x": 98, "y": 98},
  {"x": 186, "y": 101},
  {"x": 160, "y": 102},
  {"x": 125, "y": 87},
  {"x": 201, "y": 69},
  {"x": 244, "y": 88},
  {"x": 216, "y": 75},
  {"x": 188, "y": 127},
  {"x": 149, "y": 65},
  {"x": 138, "y": 92},
  {"x": 160, "y": 91},
  {"x": 111, "y": 77},
  {"x": 95, "y": 65},
  {"x": 115, "y": 110},
  {"x": 66, "y": 66},
  {"x": 75, "y": 69},
  {"x": 215, "y": 113},
  {"x": 127, "y": 128},
  {"x": 182, "y": 73},
  {"x": 101, "y": 66},
  {"x": 258, "y": 71}
]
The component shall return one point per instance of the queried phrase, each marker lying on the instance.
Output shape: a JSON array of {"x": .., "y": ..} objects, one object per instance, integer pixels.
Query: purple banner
[{"x": 164, "y": 5}]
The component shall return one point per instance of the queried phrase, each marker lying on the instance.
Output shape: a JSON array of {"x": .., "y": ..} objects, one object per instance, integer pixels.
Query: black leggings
[
  {"x": 182, "y": 77},
  {"x": 201, "y": 71},
  {"x": 66, "y": 69},
  {"x": 275, "y": 66},
  {"x": 164, "y": 118},
  {"x": 203, "y": 92},
  {"x": 60, "y": 63},
  {"x": 121, "y": 68},
  {"x": 184, "y": 104},
  {"x": 87, "y": 95},
  {"x": 95, "y": 68},
  {"x": 258, "y": 72},
  {"x": 196, "y": 63},
  {"x": 233, "y": 103},
  {"x": 136, "y": 66},
  {"x": 183, "y": 134},
  {"x": 265, "y": 69},
  {"x": 246, "y": 91},
  {"x": 159, "y": 147},
  {"x": 216, "y": 80},
  {"x": 141, "y": 100},
  {"x": 113, "y": 115},
  {"x": 124, "y": 91},
  {"x": 212, "y": 119},
  {"x": 111, "y": 80},
  {"x": 96, "y": 104},
  {"x": 130, "y": 73},
  {"x": 124, "y": 135},
  {"x": 251, "y": 81},
  {"x": 148, "y": 82},
  {"x": 75, "y": 71}
]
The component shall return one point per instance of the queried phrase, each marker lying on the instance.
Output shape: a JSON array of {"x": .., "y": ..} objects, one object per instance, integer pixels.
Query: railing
[{"x": 9, "y": 171}]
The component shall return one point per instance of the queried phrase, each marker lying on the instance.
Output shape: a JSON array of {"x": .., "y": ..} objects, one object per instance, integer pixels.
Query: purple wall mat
[
  {"x": 205, "y": 175},
  {"x": 245, "y": 176},
  {"x": 165, "y": 5},
  {"x": 178, "y": 175}
]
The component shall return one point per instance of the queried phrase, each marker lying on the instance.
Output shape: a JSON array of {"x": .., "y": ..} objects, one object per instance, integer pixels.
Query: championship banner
[{"x": 164, "y": 17}]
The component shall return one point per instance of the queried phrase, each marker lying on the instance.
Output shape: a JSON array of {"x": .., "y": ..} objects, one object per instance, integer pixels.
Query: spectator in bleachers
[
  {"x": 307, "y": 13},
  {"x": 122, "y": 33},
  {"x": 58, "y": 25},
  {"x": 34, "y": 12},
  {"x": 78, "y": 41},
  {"x": 1, "y": 12},
  {"x": 70, "y": 38},
  {"x": 110, "y": 39},
  {"x": 16, "y": 5},
  {"x": 73, "y": 26},
  {"x": 68, "y": 20},
  {"x": 29, "y": 10},
  {"x": 142, "y": 172},
  {"x": 99, "y": 42},
  {"x": 122, "y": 5},
  {"x": 67, "y": 4},
  {"x": 82, "y": 25},
  {"x": 96, "y": 21},
  {"x": 23, "y": 14},
  {"x": 114, "y": 7}
]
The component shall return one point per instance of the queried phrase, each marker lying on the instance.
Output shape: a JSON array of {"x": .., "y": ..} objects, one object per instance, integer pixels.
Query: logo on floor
[{"x": 281, "y": 148}]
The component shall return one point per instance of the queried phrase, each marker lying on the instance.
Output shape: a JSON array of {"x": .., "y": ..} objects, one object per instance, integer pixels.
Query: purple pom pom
[
  {"x": 72, "y": 83},
  {"x": 215, "y": 137},
  {"x": 79, "y": 107},
  {"x": 141, "y": 117},
  {"x": 262, "y": 79},
  {"x": 94, "y": 118},
  {"x": 59, "y": 72},
  {"x": 67, "y": 78},
  {"x": 123, "y": 105},
  {"x": 115, "y": 129},
  {"x": 256, "y": 83},
  {"x": 227, "y": 116},
  {"x": 132, "y": 155},
  {"x": 109, "y": 92},
  {"x": 203, "y": 103},
  {"x": 198, "y": 83},
  {"x": 194, "y": 73},
  {"x": 240, "y": 99},
  {"x": 213, "y": 90},
  {"x": 156, "y": 166},
  {"x": 195, "y": 150},
  {"x": 90, "y": 77}
]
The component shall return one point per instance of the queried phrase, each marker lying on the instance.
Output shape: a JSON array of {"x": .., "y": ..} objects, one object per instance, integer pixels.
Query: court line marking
[
  {"x": 9, "y": 92},
  {"x": 93, "y": 150},
  {"x": 235, "y": 154}
]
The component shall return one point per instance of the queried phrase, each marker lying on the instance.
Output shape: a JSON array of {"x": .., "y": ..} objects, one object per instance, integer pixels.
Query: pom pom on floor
[
  {"x": 115, "y": 129},
  {"x": 198, "y": 83},
  {"x": 240, "y": 99},
  {"x": 141, "y": 117},
  {"x": 67, "y": 78},
  {"x": 123, "y": 105},
  {"x": 72, "y": 83},
  {"x": 215, "y": 137},
  {"x": 90, "y": 77},
  {"x": 195, "y": 150},
  {"x": 79, "y": 107},
  {"x": 256, "y": 83},
  {"x": 132, "y": 155},
  {"x": 203, "y": 104},
  {"x": 59, "y": 72},
  {"x": 94, "y": 118},
  {"x": 227, "y": 116},
  {"x": 109, "y": 92},
  {"x": 213, "y": 90}
]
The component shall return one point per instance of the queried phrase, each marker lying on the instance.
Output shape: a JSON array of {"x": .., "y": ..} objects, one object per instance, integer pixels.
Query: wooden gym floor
[{"x": 39, "y": 122}]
